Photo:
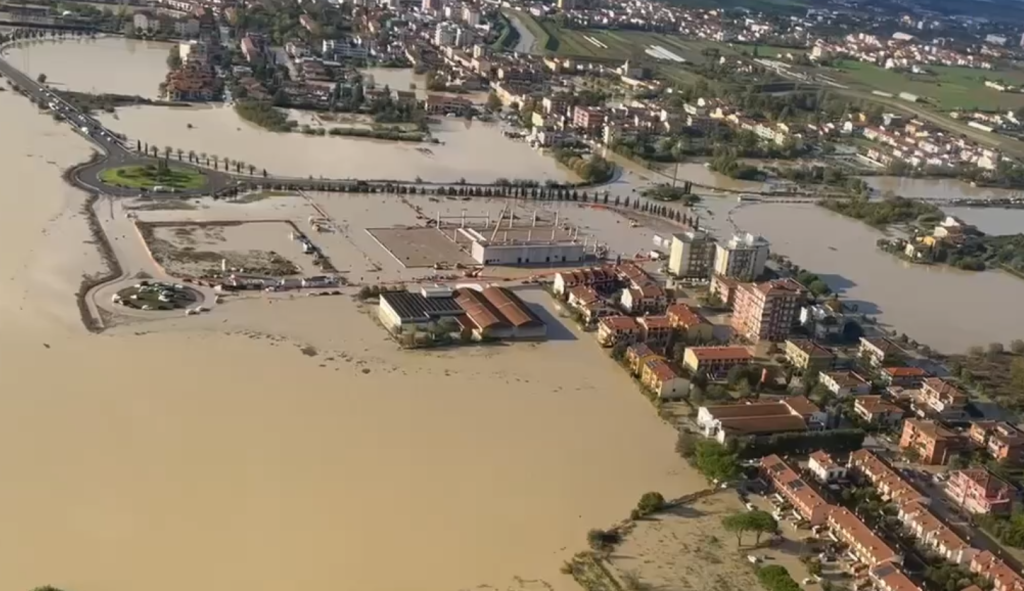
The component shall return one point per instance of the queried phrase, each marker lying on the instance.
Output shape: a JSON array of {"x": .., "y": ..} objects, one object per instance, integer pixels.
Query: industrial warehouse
[
  {"x": 474, "y": 313},
  {"x": 509, "y": 240}
]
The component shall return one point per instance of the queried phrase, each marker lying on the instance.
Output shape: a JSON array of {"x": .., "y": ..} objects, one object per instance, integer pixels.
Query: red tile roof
[
  {"x": 617, "y": 323},
  {"x": 685, "y": 316},
  {"x": 512, "y": 307},
  {"x": 717, "y": 353}
]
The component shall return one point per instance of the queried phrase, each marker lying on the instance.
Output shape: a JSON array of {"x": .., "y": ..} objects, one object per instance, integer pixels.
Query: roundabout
[{"x": 157, "y": 177}]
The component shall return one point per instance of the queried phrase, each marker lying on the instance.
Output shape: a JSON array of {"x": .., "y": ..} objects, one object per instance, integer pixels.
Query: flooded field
[
  {"x": 107, "y": 64},
  {"x": 934, "y": 188},
  {"x": 944, "y": 308},
  {"x": 291, "y": 446},
  {"x": 471, "y": 150}
]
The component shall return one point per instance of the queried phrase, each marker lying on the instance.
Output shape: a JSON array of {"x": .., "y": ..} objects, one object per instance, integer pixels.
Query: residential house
[
  {"x": 715, "y": 361},
  {"x": 656, "y": 331},
  {"x": 689, "y": 324},
  {"x": 792, "y": 414},
  {"x": 638, "y": 354},
  {"x": 844, "y": 383},
  {"x": 877, "y": 410},
  {"x": 824, "y": 468},
  {"x": 943, "y": 398},
  {"x": 978, "y": 491},
  {"x": 646, "y": 298},
  {"x": 933, "y": 443},
  {"x": 613, "y": 330},
  {"x": 887, "y": 577},
  {"x": 905, "y": 377},
  {"x": 862, "y": 543},
  {"x": 589, "y": 304},
  {"x": 1001, "y": 440},
  {"x": 443, "y": 104},
  {"x": 878, "y": 351},
  {"x": 808, "y": 355},
  {"x": 933, "y": 534},
  {"x": 589, "y": 120},
  {"x": 805, "y": 500},
  {"x": 725, "y": 289},
  {"x": 887, "y": 481},
  {"x": 1003, "y": 577},
  {"x": 661, "y": 378},
  {"x": 602, "y": 279},
  {"x": 767, "y": 310}
]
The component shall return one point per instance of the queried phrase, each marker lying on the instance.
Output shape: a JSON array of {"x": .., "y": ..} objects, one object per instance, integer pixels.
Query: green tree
[
  {"x": 1017, "y": 346},
  {"x": 715, "y": 461},
  {"x": 41, "y": 78},
  {"x": 650, "y": 502},
  {"x": 736, "y": 524},
  {"x": 761, "y": 522}
]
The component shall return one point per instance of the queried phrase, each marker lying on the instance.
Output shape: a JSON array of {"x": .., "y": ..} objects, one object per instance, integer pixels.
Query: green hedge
[{"x": 776, "y": 578}]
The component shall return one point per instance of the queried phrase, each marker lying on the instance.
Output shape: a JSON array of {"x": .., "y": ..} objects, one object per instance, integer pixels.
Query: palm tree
[
  {"x": 180, "y": 152},
  {"x": 252, "y": 170},
  {"x": 216, "y": 162},
  {"x": 227, "y": 162},
  {"x": 167, "y": 152},
  {"x": 156, "y": 151},
  {"x": 191, "y": 155},
  {"x": 205, "y": 158},
  {"x": 238, "y": 166}
]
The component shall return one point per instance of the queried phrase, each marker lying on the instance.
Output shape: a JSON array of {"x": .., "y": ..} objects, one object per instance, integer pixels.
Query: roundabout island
[{"x": 158, "y": 177}]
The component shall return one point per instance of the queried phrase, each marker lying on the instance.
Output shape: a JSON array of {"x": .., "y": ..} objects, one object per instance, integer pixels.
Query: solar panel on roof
[{"x": 884, "y": 570}]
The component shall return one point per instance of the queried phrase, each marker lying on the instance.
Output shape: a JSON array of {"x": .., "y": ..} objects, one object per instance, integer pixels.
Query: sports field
[{"x": 948, "y": 88}]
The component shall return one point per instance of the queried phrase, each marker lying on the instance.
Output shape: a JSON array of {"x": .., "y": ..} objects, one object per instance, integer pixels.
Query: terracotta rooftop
[
  {"x": 617, "y": 323},
  {"x": 480, "y": 311},
  {"x": 995, "y": 487},
  {"x": 931, "y": 527},
  {"x": 846, "y": 378},
  {"x": 780, "y": 287},
  {"x": 905, "y": 372},
  {"x": 931, "y": 429},
  {"x": 655, "y": 322},
  {"x": 719, "y": 353},
  {"x": 759, "y": 409},
  {"x": 811, "y": 348},
  {"x": 585, "y": 295},
  {"x": 640, "y": 350},
  {"x": 763, "y": 424},
  {"x": 875, "y": 405},
  {"x": 823, "y": 459},
  {"x": 946, "y": 390},
  {"x": 892, "y": 578},
  {"x": 685, "y": 316},
  {"x": 884, "y": 477},
  {"x": 661, "y": 369},
  {"x": 873, "y": 549},
  {"x": 512, "y": 307},
  {"x": 787, "y": 479},
  {"x": 997, "y": 571},
  {"x": 883, "y": 344},
  {"x": 801, "y": 405}
]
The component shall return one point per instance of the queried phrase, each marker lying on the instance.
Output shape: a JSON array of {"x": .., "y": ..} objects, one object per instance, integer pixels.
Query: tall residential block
[
  {"x": 691, "y": 255},
  {"x": 767, "y": 310},
  {"x": 742, "y": 257}
]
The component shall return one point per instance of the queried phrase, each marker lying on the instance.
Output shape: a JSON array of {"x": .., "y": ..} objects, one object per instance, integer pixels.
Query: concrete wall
[{"x": 527, "y": 254}]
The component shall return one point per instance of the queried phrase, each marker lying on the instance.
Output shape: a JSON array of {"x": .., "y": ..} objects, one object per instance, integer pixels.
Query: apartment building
[
  {"x": 645, "y": 298},
  {"x": 661, "y": 378},
  {"x": 715, "y": 360},
  {"x": 768, "y": 310},
  {"x": 863, "y": 545},
  {"x": 933, "y": 443},
  {"x": 613, "y": 330},
  {"x": 807, "y": 503},
  {"x": 932, "y": 533},
  {"x": 943, "y": 398},
  {"x": 844, "y": 383},
  {"x": 886, "y": 577},
  {"x": 637, "y": 355},
  {"x": 1001, "y": 440},
  {"x": 792, "y": 414},
  {"x": 656, "y": 331},
  {"x": 878, "y": 351},
  {"x": 890, "y": 485},
  {"x": 689, "y": 324},
  {"x": 904, "y": 377},
  {"x": 824, "y": 468},
  {"x": 602, "y": 279},
  {"x": 980, "y": 492},
  {"x": 692, "y": 255},
  {"x": 809, "y": 356},
  {"x": 588, "y": 120},
  {"x": 877, "y": 410},
  {"x": 742, "y": 257}
]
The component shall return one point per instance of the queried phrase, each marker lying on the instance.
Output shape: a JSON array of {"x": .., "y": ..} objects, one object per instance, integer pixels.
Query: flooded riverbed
[
  {"x": 107, "y": 64},
  {"x": 944, "y": 308},
  {"x": 207, "y": 452}
]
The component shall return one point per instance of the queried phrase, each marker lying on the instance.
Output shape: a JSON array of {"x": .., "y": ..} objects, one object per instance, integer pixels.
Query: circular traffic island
[
  {"x": 159, "y": 177},
  {"x": 158, "y": 296}
]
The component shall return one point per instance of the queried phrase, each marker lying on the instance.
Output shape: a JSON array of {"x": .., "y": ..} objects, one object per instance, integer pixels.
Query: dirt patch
[
  {"x": 196, "y": 250},
  {"x": 687, "y": 548}
]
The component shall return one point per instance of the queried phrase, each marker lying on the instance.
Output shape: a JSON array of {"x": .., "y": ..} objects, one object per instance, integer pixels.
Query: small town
[{"x": 750, "y": 265}]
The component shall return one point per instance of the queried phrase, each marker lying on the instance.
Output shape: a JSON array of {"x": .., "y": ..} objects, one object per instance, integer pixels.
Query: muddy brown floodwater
[{"x": 210, "y": 454}]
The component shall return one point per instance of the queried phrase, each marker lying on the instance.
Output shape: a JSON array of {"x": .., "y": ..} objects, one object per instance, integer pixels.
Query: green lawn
[
  {"x": 149, "y": 176},
  {"x": 948, "y": 88}
]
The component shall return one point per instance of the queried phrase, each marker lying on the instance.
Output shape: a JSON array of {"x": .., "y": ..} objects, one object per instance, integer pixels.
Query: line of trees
[{"x": 757, "y": 521}]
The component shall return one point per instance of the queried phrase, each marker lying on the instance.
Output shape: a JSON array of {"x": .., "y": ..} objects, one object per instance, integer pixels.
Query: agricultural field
[{"x": 948, "y": 88}]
